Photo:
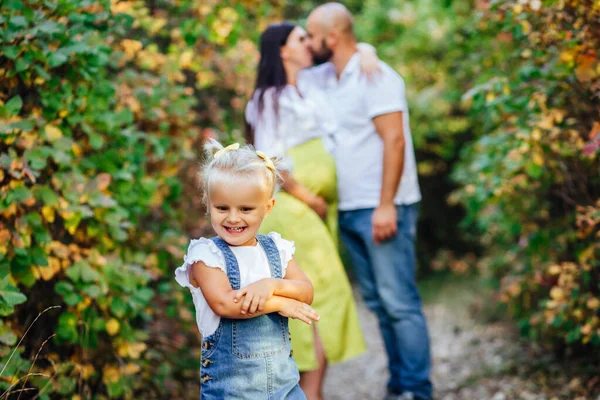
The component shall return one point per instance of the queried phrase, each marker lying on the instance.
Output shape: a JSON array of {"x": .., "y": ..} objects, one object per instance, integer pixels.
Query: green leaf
[
  {"x": 57, "y": 59},
  {"x": 63, "y": 288},
  {"x": 67, "y": 327},
  {"x": 534, "y": 170},
  {"x": 7, "y": 336},
  {"x": 19, "y": 194},
  {"x": 10, "y": 294},
  {"x": 118, "y": 307},
  {"x": 47, "y": 195},
  {"x": 14, "y": 105},
  {"x": 11, "y": 52},
  {"x": 93, "y": 291}
]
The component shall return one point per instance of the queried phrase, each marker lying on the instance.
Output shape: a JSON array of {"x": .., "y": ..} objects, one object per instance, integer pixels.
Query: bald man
[{"x": 378, "y": 193}]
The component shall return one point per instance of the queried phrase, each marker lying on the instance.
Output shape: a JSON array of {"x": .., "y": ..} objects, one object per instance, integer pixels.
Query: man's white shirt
[{"x": 358, "y": 148}]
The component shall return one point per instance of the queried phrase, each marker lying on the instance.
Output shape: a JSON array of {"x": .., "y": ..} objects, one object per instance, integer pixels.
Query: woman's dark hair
[{"x": 270, "y": 69}]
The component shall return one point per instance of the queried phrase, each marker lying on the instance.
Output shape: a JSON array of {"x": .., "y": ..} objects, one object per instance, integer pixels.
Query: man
[{"x": 378, "y": 193}]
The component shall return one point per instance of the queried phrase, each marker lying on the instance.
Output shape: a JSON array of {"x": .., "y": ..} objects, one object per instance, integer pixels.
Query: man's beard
[{"x": 324, "y": 54}]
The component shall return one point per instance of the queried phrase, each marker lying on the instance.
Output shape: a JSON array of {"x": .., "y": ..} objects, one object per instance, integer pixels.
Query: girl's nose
[{"x": 233, "y": 217}]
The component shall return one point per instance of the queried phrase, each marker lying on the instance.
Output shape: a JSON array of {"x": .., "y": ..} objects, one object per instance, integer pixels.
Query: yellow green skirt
[{"x": 317, "y": 255}]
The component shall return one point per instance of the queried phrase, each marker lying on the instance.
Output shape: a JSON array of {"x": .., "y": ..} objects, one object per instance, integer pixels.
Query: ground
[{"x": 472, "y": 359}]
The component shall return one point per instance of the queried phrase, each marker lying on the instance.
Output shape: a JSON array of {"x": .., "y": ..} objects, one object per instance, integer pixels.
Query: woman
[{"x": 298, "y": 126}]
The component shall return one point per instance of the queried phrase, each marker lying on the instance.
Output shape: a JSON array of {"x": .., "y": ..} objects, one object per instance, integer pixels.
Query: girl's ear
[{"x": 270, "y": 206}]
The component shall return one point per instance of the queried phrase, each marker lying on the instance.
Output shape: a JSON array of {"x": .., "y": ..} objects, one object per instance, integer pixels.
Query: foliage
[
  {"x": 530, "y": 181},
  {"x": 426, "y": 41},
  {"x": 99, "y": 105}
]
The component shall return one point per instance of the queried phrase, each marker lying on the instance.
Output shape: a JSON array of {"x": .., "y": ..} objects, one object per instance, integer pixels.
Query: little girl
[{"x": 245, "y": 286}]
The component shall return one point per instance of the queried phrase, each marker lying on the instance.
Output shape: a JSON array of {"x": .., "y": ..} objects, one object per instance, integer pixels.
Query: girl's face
[
  {"x": 296, "y": 50},
  {"x": 237, "y": 210}
]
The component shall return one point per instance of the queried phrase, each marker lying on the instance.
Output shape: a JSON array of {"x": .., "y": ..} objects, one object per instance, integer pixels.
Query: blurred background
[{"x": 104, "y": 106}]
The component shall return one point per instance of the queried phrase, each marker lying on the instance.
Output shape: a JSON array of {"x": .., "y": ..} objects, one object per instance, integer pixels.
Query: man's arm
[{"x": 390, "y": 128}]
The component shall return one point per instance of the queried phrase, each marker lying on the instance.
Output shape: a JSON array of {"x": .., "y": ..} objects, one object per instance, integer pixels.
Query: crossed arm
[{"x": 289, "y": 296}]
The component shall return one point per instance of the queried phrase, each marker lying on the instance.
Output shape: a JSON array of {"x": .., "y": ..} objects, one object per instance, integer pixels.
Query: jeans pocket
[
  {"x": 259, "y": 337},
  {"x": 209, "y": 343}
]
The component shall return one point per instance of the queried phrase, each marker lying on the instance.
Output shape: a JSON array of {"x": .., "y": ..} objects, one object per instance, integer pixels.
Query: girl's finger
[
  {"x": 254, "y": 305},
  {"x": 261, "y": 305},
  {"x": 303, "y": 318},
  {"x": 239, "y": 294},
  {"x": 246, "y": 303}
]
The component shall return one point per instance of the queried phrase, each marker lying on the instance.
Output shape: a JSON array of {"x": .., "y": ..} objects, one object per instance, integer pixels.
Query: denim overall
[{"x": 249, "y": 358}]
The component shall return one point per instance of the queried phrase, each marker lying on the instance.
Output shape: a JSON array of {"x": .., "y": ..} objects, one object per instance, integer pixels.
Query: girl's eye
[
  {"x": 247, "y": 209},
  {"x": 221, "y": 208}
]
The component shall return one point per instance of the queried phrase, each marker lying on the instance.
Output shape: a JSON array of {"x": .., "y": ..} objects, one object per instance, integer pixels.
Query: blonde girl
[{"x": 244, "y": 285}]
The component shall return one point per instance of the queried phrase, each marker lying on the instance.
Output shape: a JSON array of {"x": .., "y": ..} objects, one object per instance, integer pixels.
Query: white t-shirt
[
  {"x": 253, "y": 264},
  {"x": 300, "y": 118},
  {"x": 358, "y": 147}
]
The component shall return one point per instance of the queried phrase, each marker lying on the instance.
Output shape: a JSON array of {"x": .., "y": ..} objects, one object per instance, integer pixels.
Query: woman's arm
[{"x": 302, "y": 193}]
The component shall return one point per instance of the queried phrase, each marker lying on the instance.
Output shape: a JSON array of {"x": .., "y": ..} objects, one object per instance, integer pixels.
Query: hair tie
[
  {"x": 267, "y": 160},
  {"x": 227, "y": 149}
]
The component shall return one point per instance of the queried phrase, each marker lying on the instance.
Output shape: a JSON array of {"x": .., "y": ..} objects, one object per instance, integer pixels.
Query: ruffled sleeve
[
  {"x": 286, "y": 249},
  {"x": 204, "y": 250}
]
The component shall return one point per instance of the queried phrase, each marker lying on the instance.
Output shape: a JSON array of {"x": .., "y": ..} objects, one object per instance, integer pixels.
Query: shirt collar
[{"x": 352, "y": 66}]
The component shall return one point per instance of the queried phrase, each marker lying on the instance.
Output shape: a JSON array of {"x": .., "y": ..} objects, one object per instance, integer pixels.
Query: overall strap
[
  {"x": 272, "y": 255},
  {"x": 231, "y": 264}
]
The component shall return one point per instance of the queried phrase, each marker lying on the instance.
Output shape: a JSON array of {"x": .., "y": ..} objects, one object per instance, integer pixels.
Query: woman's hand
[
  {"x": 295, "y": 309},
  {"x": 318, "y": 204},
  {"x": 369, "y": 62},
  {"x": 255, "y": 295}
]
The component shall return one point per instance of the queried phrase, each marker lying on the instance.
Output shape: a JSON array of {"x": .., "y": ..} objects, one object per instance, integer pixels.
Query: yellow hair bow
[
  {"x": 267, "y": 160},
  {"x": 227, "y": 149}
]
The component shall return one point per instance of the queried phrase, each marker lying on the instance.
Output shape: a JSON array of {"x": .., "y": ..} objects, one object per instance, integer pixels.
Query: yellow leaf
[
  {"x": 76, "y": 149},
  {"x": 110, "y": 374},
  {"x": 130, "y": 369},
  {"x": 48, "y": 272},
  {"x": 557, "y": 293},
  {"x": 131, "y": 47},
  {"x": 52, "y": 133},
  {"x": 566, "y": 56},
  {"x": 554, "y": 269},
  {"x": 593, "y": 303},
  {"x": 48, "y": 213},
  {"x": 490, "y": 97},
  {"x": 185, "y": 60},
  {"x": 518, "y": 9},
  {"x": 87, "y": 370},
  {"x": 586, "y": 329},
  {"x": 538, "y": 159},
  {"x": 112, "y": 327},
  {"x": 103, "y": 180},
  {"x": 136, "y": 349},
  {"x": 63, "y": 113}
]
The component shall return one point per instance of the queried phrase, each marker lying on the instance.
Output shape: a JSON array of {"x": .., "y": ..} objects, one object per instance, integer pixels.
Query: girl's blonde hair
[{"x": 237, "y": 164}]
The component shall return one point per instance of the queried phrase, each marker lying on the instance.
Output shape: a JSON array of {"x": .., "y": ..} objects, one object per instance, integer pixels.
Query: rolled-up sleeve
[{"x": 386, "y": 93}]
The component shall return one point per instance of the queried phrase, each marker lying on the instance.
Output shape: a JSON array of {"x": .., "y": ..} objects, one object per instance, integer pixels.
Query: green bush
[{"x": 530, "y": 181}]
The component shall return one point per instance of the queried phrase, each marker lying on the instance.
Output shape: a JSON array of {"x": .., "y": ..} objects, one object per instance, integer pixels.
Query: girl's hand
[
  {"x": 318, "y": 204},
  {"x": 295, "y": 309},
  {"x": 255, "y": 295}
]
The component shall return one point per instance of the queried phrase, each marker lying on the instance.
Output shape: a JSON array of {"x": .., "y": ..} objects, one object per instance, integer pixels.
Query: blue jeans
[{"x": 386, "y": 277}]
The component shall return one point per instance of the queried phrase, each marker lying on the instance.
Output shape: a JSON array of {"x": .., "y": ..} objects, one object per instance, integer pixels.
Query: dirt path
[{"x": 471, "y": 361}]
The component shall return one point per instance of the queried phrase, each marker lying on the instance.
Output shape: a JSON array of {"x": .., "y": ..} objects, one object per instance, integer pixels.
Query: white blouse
[
  {"x": 302, "y": 116},
  {"x": 253, "y": 264}
]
